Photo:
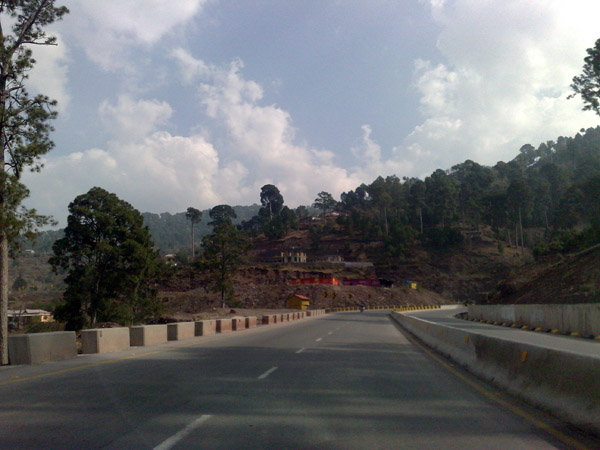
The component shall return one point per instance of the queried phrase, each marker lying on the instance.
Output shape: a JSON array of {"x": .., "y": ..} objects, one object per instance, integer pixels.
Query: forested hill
[
  {"x": 537, "y": 199},
  {"x": 554, "y": 187},
  {"x": 172, "y": 232}
]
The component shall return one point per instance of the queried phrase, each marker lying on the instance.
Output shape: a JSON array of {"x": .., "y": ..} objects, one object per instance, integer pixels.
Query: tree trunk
[
  {"x": 193, "y": 252},
  {"x": 3, "y": 298},
  {"x": 421, "y": 218},
  {"x": 521, "y": 228}
]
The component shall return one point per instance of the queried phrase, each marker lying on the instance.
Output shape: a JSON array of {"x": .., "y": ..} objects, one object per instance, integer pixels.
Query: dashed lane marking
[
  {"x": 267, "y": 373},
  {"x": 170, "y": 442}
]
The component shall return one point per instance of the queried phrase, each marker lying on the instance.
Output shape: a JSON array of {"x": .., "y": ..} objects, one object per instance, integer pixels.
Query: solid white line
[
  {"x": 267, "y": 373},
  {"x": 301, "y": 350},
  {"x": 170, "y": 442},
  {"x": 319, "y": 339}
]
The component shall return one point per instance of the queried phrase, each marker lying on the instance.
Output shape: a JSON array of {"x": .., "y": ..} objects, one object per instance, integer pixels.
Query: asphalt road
[{"x": 343, "y": 381}]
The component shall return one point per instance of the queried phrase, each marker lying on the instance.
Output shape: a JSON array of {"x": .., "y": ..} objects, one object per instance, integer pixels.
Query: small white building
[
  {"x": 19, "y": 317},
  {"x": 293, "y": 257}
]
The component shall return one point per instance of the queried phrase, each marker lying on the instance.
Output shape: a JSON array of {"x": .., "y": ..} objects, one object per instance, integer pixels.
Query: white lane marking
[
  {"x": 320, "y": 339},
  {"x": 267, "y": 373},
  {"x": 301, "y": 350},
  {"x": 330, "y": 333},
  {"x": 170, "y": 442}
]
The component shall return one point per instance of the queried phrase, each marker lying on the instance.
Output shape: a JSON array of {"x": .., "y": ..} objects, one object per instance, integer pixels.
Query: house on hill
[
  {"x": 293, "y": 257},
  {"x": 298, "y": 301}
]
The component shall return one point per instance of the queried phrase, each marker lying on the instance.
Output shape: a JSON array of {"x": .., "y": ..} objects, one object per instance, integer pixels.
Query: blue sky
[{"x": 200, "y": 102}]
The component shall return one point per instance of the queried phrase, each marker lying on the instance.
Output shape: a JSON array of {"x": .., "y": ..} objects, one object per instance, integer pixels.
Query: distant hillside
[{"x": 173, "y": 232}]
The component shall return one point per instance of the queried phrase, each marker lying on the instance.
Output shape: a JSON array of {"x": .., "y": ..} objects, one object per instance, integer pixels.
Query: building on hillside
[
  {"x": 293, "y": 257},
  {"x": 298, "y": 301},
  {"x": 20, "y": 317},
  {"x": 331, "y": 281}
]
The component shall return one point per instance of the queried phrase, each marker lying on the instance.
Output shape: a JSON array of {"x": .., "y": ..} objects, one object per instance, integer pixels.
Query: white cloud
[
  {"x": 262, "y": 136},
  {"x": 109, "y": 30},
  {"x": 50, "y": 73},
  {"x": 507, "y": 70},
  {"x": 131, "y": 120}
]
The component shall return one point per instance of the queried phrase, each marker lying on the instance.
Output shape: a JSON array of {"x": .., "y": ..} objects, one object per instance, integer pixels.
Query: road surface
[{"x": 343, "y": 381}]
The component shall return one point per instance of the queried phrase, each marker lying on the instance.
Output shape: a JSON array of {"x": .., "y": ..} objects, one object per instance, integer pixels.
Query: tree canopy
[
  {"x": 24, "y": 128},
  {"x": 224, "y": 250},
  {"x": 325, "y": 202},
  {"x": 195, "y": 216},
  {"x": 588, "y": 83},
  {"x": 222, "y": 214},
  {"x": 110, "y": 262}
]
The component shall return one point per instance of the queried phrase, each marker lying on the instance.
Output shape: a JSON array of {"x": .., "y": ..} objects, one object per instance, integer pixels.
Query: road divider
[
  {"x": 145, "y": 335},
  {"x": 578, "y": 320},
  {"x": 41, "y": 347},
  {"x": 55, "y": 346},
  {"x": 105, "y": 340},
  {"x": 566, "y": 383},
  {"x": 180, "y": 331},
  {"x": 205, "y": 327}
]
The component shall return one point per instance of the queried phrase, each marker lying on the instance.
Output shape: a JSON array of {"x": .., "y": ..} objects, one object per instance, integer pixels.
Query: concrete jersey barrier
[
  {"x": 148, "y": 335},
  {"x": 205, "y": 327},
  {"x": 41, "y": 347},
  {"x": 224, "y": 325},
  {"x": 580, "y": 318},
  {"x": 180, "y": 331},
  {"x": 564, "y": 382},
  {"x": 104, "y": 340}
]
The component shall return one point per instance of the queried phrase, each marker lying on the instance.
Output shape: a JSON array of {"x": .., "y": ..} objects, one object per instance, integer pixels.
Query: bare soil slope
[{"x": 569, "y": 279}]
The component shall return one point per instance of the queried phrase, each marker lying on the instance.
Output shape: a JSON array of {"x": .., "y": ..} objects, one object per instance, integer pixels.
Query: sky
[{"x": 202, "y": 102}]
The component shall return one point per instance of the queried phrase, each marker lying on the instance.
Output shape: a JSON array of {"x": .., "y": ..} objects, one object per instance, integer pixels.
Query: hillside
[{"x": 559, "y": 279}]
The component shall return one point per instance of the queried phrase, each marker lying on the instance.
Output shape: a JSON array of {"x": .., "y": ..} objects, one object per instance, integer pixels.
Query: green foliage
[
  {"x": 19, "y": 283},
  {"x": 224, "y": 250},
  {"x": 110, "y": 262},
  {"x": 588, "y": 83},
  {"x": 443, "y": 238},
  {"x": 325, "y": 202},
  {"x": 222, "y": 214},
  {"x": 24, "y": 121},
  {"x": 567, "y": 242},
  {"x": 271, "y": 201}
]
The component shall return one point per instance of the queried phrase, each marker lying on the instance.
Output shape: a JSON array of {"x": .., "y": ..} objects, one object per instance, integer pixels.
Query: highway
[{"x": 343, "y": 381}]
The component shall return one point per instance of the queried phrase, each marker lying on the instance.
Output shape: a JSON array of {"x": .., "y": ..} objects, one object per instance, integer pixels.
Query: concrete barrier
[
  {"x": 564, "y": 382},
  {"x": 144, "y": 335},
  {"x": 205, "y": 327},
  {"x": 283, "y": 317},
  {"x": 105, "y": 340},
  {"x": 581, "y": 318},
  {"x": 41, "y": 347},
  {"x": 269, "y": 319},
  {"x": 224, "y": 325},
  {"x": 238, "y": 323},
  {"x": 251, "y": 322},
  {"x": 180, "y": 331}
]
